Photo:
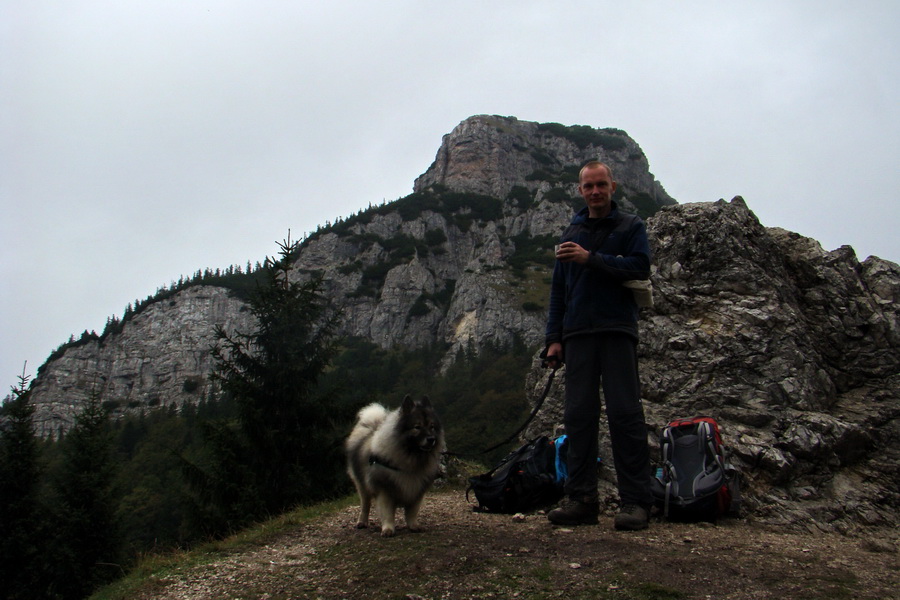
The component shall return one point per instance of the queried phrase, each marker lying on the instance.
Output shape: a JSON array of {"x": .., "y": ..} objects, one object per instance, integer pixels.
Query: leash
[{"x": 530, "y": 418}]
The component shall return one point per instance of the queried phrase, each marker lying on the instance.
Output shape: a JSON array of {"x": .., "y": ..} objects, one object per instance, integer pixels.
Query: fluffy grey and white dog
[{"x": 393, "y": 458}]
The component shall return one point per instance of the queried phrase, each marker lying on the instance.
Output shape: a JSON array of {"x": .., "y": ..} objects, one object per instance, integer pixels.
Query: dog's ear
[
  {"x": 408, "y": 404},
  {"x": 425, "y": 402}
]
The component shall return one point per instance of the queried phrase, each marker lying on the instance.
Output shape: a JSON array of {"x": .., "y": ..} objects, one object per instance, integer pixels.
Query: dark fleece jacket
[{"x": 590, "y": 298}]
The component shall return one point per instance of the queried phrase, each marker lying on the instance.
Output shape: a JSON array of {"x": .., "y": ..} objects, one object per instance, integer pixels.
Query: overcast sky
[{"x": 142, "y": 141}]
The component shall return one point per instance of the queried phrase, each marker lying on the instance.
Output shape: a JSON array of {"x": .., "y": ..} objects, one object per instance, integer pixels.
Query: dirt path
[{"x": 462, "y": 554}]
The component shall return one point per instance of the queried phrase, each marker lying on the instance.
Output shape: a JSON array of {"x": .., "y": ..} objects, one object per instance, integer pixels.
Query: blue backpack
[{"x": 528, "y": 478}]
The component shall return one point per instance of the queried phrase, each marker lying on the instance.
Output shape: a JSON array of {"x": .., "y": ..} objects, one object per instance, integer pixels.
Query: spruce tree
[
  {"x": 283, "y": 446},
  {"x": 86, "y": 550},
  {"x": 21, "y": 515}
]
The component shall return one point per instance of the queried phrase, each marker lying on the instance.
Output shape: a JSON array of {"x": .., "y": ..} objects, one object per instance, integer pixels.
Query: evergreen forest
[{"x": 78, "y": 511}]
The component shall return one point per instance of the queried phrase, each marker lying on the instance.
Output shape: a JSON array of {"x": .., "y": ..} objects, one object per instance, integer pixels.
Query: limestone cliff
[{"x": 162, "y": 356}]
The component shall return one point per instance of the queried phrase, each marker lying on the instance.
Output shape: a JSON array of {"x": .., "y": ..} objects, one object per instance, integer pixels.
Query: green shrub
[
  {"x": 401, "y": 246},
  {"x": 542, "y": 156},
  {"x": 462, "y": 222},
  {"x": 521, "y": 196},
  {"x": 375, "y": 273},
  {"x": 584, "y": 136},
  {"x": 435, "y": 237},
  {"x": 419, "y": 308},
  {"x": 557, "y": 195},
  {"x": 564, "y": 176},
  {"x": 356, "y": 265},
  {"x": 537, "y": 250}
]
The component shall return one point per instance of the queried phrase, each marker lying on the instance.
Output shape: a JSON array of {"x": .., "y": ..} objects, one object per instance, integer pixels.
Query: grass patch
[
  {"x": 153, "y": 571},
  {"x": 654, "y": 591},
  {"x": 531, "y": 287}
]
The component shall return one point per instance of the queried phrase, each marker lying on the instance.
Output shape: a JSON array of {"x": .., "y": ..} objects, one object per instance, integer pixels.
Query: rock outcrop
[{"x": 794, "y": 350}]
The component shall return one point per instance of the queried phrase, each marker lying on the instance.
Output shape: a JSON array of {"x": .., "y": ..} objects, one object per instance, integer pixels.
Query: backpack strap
[
  {"x": 666, "y": 450},
  {"x": 669, "y": 474},
  {"x": 709, "y": 440}
]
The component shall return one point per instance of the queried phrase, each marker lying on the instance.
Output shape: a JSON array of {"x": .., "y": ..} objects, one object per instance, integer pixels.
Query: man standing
[{"x": 592, "y": 325}]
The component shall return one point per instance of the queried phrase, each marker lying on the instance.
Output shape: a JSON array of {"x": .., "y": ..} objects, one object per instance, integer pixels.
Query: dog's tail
[{"x": 371, "y": 416}]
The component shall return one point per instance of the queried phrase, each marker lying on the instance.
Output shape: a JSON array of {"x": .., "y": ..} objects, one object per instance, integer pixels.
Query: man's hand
[
  {"x": 572, "y": 252},
  {"x": 554, "y": 355}
]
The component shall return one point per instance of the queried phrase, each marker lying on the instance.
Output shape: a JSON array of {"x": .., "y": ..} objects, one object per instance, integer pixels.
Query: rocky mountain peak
[{"x": 493, "y": 155}]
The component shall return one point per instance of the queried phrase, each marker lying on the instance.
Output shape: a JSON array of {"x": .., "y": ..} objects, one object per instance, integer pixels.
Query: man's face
[{"x": 597, "y": 188}]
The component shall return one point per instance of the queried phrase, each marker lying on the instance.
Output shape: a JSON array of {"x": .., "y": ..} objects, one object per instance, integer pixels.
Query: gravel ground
[{"x": 463, "y": 554}]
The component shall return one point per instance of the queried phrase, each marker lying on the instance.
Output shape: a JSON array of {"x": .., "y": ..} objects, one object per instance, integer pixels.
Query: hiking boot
[
  {"x": 575, "y": 513},
  {"x": 632, "y": 518}
]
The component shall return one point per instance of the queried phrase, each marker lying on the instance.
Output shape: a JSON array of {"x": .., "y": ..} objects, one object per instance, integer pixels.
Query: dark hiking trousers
[{"x": 610, "y": 360}]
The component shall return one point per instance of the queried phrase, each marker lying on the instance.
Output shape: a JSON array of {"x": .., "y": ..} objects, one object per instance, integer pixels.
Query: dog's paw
[
  {"x": 387, "y": 532},
  {"x": 362, "y": 525}
]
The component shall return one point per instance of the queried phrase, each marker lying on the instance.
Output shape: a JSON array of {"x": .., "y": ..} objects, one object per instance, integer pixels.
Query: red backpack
[{"x": 695, "y": 482}]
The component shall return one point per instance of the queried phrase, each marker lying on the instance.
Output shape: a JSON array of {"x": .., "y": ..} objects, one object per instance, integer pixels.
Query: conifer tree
[
  {"x": 86, "y": 550},
  {"x": 21, "y": 516},
  {"x": 284, "y": 446}
]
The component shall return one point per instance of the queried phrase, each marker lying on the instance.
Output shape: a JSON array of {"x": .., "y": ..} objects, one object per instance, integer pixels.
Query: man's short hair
[{"x": 595, "y": 164}]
